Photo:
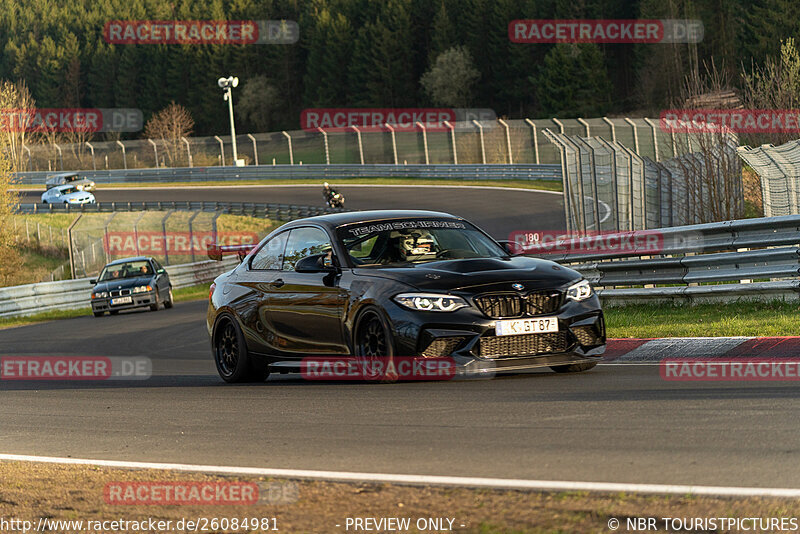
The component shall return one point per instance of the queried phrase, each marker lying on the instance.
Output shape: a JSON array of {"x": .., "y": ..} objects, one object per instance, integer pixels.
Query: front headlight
[
  {"x": 430, "y": 302},
  {"x": 142, "y": 289},
  {"x": 100, "y": 295},
  {"x": 580, "y": 291}
]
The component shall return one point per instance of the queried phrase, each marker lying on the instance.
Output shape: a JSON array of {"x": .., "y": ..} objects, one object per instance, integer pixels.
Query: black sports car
[
  {"x": 389, "y": 284},
  {"x": 131, "y": 283}
]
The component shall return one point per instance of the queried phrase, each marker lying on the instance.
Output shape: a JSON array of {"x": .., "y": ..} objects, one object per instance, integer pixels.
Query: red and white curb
[{"x": 656, "y": 350}]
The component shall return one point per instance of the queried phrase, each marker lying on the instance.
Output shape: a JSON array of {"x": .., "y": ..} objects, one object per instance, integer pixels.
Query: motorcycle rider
[{"x": 332, "y": 197}]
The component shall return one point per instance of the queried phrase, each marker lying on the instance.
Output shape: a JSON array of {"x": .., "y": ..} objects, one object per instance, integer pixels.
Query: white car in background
[
  {"x": 70, "y": 178},
  {"x": 67, "y": 194}
]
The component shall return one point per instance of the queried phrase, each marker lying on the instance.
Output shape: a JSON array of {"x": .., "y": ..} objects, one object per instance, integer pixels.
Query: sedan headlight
[
  {"x": 100, "y": 295},
  {"x": 580, "y": 291},
  {"x": 142, "y": 289},
  {"x": 430, "y": 302}
]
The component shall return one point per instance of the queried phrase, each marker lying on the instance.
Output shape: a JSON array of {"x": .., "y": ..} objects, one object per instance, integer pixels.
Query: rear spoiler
[{"x": 216, "y": 252}]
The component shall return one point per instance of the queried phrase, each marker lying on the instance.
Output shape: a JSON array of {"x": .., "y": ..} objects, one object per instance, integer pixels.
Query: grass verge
[
  {"x": 776, "y": 318},
  {"x": 31, "y": 491},
  {"x": 198, "y": 292},
  {"x": 545, "y": 185}
]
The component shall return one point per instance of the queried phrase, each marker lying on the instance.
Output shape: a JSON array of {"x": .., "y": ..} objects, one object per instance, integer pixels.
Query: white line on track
[{"x": 419, "y": 480}]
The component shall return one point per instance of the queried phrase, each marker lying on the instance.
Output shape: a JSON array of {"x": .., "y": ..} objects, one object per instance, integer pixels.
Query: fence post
[
  {"x": 164, "y": 233},
  {"x": 453, "y": 139},
  {"x": 221, "y": 149},
  {"x": 585, "y": 125},
  {"x": 191, "y": 233},
  {"x": 124, "y": 156},
  {"x": 614, "y": 185},
  {"x": 559, "y": 124},
  {"x": 71, "y": 248},
  {"x": 562, "y": 150},
  {"x": 635, "y": 135},
  {"x": 613, "y": 129},
  {"x": 255, "y": 148},
  {"x": 483, "y": 146},
  {"x": 155, "y": 150},
  {"x": 291, "y": 153},
  {"x": 655, "y": 137},
  {"x": 508, "y": 141},
  {"x": 360, "y": 144},
  {"x": 535, "y": 141},
  {"x": 592, "y": 169},
  {"x": 91, "y": 149},
  {"x": 325, "y": 142},
  {"x": 189, "y": 151},
  {"x": 394, "y": 142},
  {"x": 60, "y": 156},
  {"x": 424, "y": 141}
]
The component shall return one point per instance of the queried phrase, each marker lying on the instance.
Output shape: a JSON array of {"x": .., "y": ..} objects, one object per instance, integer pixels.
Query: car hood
[
  {"x": 478, "y": 275},
  {"x": 124, "y": 283}
]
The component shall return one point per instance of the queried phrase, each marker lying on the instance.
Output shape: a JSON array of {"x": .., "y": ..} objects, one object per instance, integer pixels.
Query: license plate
[
  {"x": 122, "y": 300},
  {"x": 539, "y": 325}
]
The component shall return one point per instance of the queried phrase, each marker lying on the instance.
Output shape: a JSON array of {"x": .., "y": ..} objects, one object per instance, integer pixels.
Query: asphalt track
[
  {"x": 616, "y": 423},
  {"x": 499, "y": 211}
]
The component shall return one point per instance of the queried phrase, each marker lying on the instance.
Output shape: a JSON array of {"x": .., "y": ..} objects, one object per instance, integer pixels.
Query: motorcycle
[{"x": 333, "y": 198}]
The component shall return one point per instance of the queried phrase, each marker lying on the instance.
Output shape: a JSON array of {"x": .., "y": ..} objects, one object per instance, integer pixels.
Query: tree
[
  {"x": 16, "y": 104},
  {"x": 169, "y": 125},
  {"x": 330, "y": 47},
  {"x": 451, "y": 79},
  {"x": 775, "y": 85},
  {"x": 258, "y": 103},
  {"x": 11, "y": 262},
  {"x": 573, "y": 82}
]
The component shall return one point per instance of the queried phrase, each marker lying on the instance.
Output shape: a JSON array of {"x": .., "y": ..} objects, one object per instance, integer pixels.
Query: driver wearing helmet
[{"x": 414, "y": 245}]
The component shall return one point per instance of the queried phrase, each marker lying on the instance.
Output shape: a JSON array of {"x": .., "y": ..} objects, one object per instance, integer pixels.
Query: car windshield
[
  {"x": 395, "y": 243},
  {"x": 132, "y": 269}
]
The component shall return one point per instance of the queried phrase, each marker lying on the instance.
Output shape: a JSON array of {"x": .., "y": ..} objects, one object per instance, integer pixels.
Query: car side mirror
[
  {"x": 93, "y": 281},
  {"x": 161, "y": 271},
  {"x": 317, "y": 263},
  {"x": 508, "y": 246}
]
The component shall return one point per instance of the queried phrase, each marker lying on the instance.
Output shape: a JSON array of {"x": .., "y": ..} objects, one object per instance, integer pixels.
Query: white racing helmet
[{"x": 416, "y": 244}]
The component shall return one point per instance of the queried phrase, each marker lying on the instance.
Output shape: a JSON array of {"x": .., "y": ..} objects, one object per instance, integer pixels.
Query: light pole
[{"x": 227, "y": 84}]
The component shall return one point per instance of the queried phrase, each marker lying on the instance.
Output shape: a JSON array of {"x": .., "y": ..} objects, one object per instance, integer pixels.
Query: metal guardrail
[
  {"x": 280, "y": 212},
  {"x": 19, "y": 301},
  {"x": 313, "y": 172},
  {"x": 696, "y": 261}
]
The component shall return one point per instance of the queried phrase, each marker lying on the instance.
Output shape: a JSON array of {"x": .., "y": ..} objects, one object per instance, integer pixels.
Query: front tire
[
  {"x": 169, "y": 303},
  {"x": 233, "y": 362},
  {"x": 573, "y": 368},
  {"x": 98, "y": 314},
  {"x": 154, "y": 306},
  {"x": 373, "y": 346}
]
